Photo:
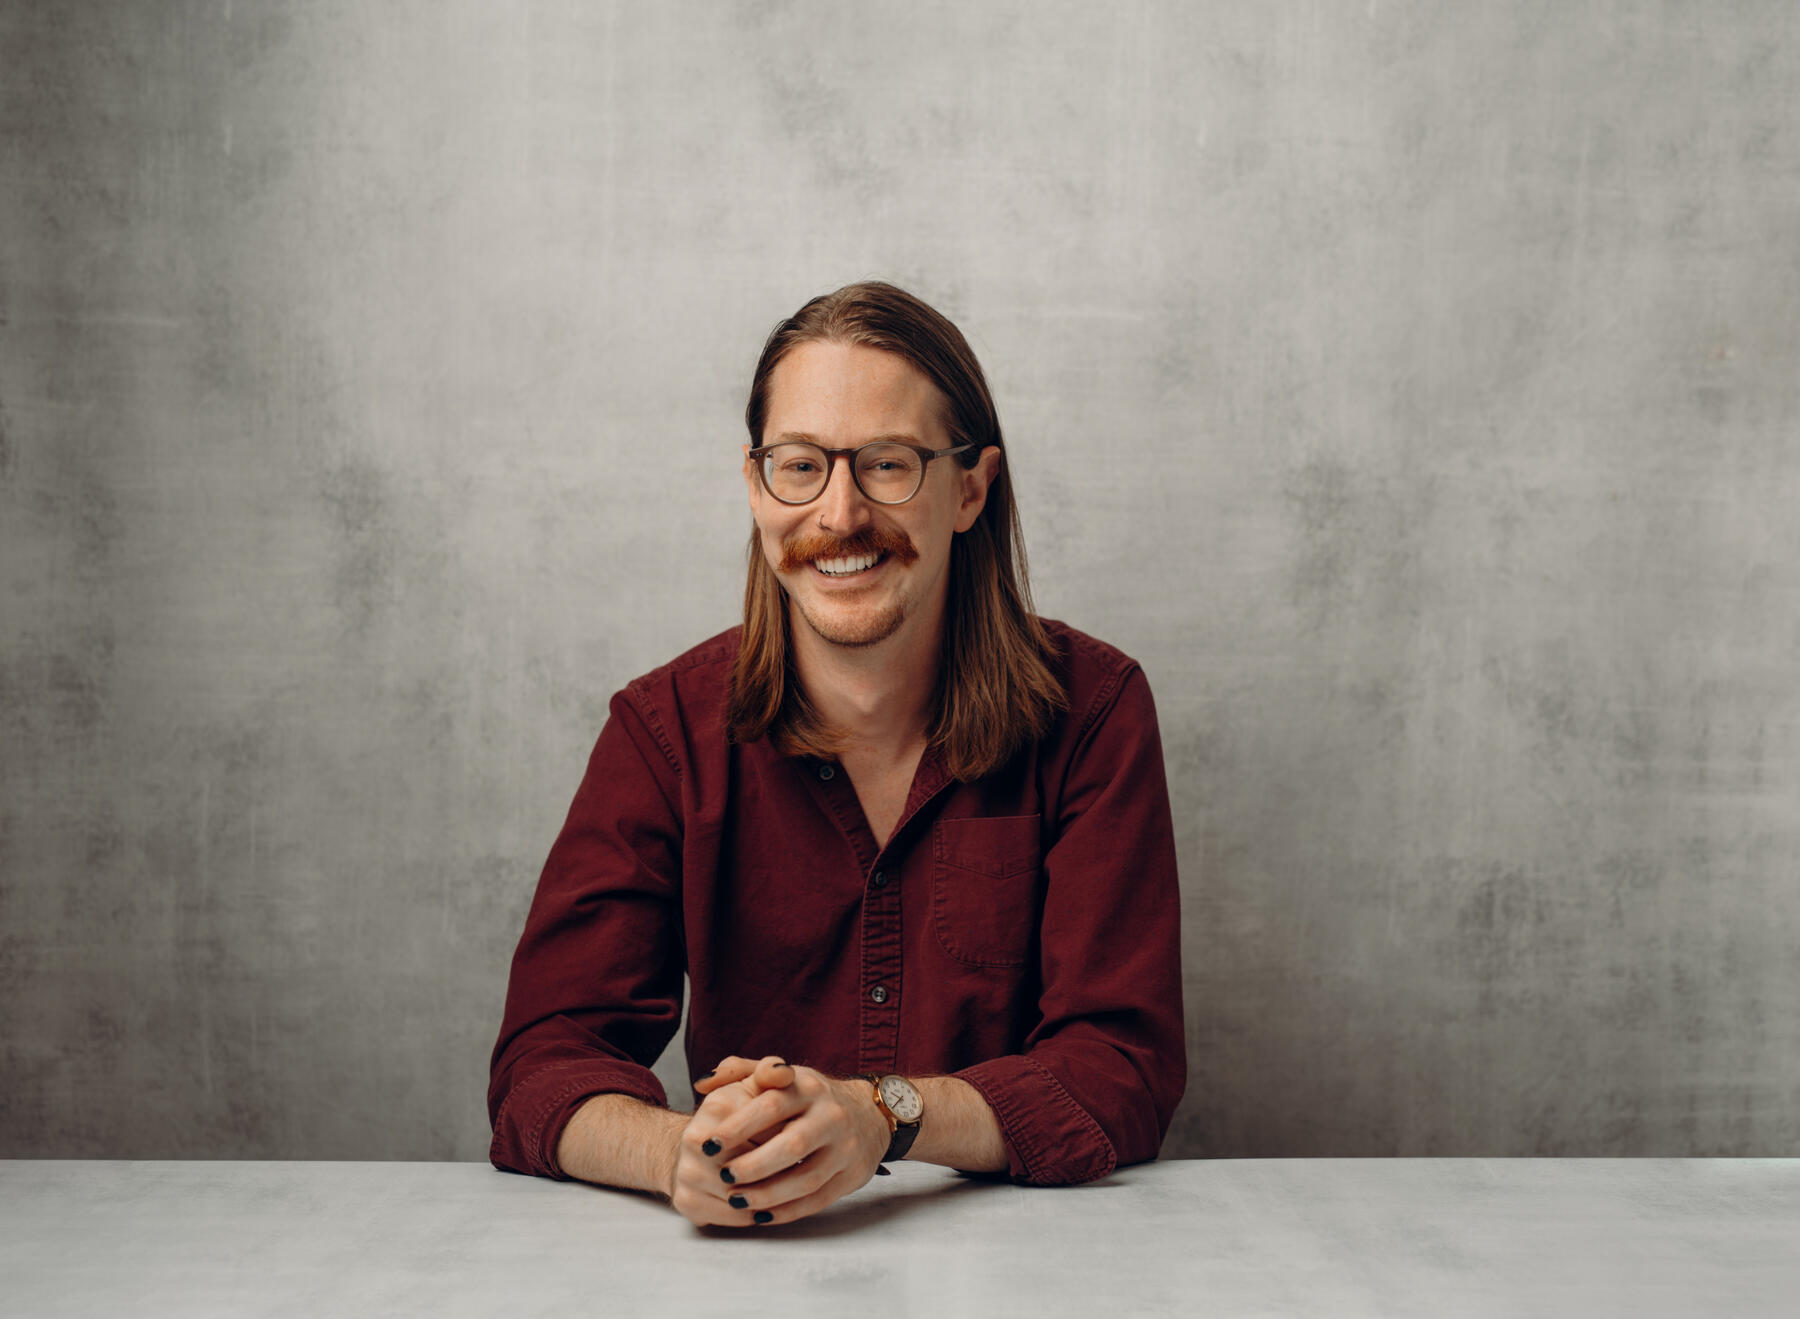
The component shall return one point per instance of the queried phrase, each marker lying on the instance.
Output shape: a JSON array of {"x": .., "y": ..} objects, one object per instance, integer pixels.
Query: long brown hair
[{"x": 995, "y": 690}]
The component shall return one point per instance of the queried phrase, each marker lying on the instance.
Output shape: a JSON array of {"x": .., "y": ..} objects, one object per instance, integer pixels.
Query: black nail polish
[
  {"x": 709, "y": 1076},
  {"x": 710, "y": 1148},
  {"x": 763, "y": 1216},
  {"x": 726, "y": 1177},
  {"x": 738, "y": 1202},
  {"x": 784, "y": 1064}
]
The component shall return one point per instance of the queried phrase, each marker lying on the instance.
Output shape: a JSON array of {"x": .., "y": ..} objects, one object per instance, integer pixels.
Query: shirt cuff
[
  {"x": 1050, "y": 1139},
  {"x": 530, "y": 1123}
]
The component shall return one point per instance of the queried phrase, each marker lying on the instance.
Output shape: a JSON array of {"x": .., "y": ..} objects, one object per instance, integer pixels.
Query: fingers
[
  {"x": 797, "y": 1141},
  {"x": 748, "y": 1121},
  {"x": 830, "y": 1193},
  {"x": 729, "y": 1071},
  {"x": 795, "y": 1183},
  {"x": 836, "y": 1117},
  {"x": 728, "y": 1124},
  {"x": 772, "y": 1074},
  {"x": 751, "y": 1155},
  {"x": 769, "y": 1073},
  {"x": 717, "y": 1109},
  {"x": 696, "y": 1189}
]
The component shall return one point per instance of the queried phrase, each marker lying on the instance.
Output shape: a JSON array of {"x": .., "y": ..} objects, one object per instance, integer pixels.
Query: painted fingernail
[
  {"x": 763, "y": 1216},
  {"x": 726, "y": 1177},
  {"x": 738, "y": 1202},
  {"x": 709, "y": 1076},
  {"x": 710, "y": 1148},
  {"x": 784, "y": 1064}
]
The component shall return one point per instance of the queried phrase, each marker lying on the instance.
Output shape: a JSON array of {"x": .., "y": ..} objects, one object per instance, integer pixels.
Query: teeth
[{"x": 839, "y": 567}]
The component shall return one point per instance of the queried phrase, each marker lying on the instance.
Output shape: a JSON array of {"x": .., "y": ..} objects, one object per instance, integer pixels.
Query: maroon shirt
[{"x": 1021, "y": 932}]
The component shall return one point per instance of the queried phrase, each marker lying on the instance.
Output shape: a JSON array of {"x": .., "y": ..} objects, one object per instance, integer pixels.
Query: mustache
[{"x": 798, "y": 551}]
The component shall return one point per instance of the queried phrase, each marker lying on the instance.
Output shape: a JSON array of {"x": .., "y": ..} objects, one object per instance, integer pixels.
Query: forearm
[
  {"x": 959, "y": 1129},
  {"x": 615, "y": 1140}
]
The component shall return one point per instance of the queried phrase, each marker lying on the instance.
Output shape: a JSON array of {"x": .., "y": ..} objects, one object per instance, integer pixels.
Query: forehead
[{"x": 846, "y": 394}]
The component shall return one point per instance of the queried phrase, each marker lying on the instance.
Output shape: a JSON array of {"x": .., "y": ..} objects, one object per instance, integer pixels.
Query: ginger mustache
[{"x": 801, "y": 550}]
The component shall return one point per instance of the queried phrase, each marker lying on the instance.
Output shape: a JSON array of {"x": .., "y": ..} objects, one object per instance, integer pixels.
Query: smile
[{"x": 848, "y": 566}]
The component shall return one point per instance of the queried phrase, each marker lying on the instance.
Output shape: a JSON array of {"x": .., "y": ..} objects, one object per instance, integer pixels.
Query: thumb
[{"x": 771, "y": 1073}]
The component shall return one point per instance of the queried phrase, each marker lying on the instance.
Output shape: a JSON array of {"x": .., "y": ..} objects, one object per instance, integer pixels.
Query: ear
[
  {"x": 751, "y": 484},
  {"x": 975, "y": 483}
]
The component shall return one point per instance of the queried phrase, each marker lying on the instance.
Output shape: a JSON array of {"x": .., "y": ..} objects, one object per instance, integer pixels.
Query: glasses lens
[
  {"x": 889, "y": 473},
  {"x": 794, "y": 472}
]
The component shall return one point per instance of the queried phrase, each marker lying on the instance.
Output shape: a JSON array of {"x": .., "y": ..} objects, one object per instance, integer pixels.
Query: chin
[{"x": 853, "y": 627}]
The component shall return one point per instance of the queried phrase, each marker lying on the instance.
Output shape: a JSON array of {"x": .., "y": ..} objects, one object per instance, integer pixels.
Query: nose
[{"x": 842, "y": 508}]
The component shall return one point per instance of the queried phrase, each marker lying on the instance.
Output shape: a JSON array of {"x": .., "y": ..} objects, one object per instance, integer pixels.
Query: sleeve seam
[
  {"x": 1103, "y": 700},
  {"x": 1103, "y": 697},
  {"x": 653, "y": 721}
]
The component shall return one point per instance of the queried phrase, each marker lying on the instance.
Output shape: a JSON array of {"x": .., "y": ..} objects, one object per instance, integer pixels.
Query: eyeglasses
[{"x": 888, "y": 472}]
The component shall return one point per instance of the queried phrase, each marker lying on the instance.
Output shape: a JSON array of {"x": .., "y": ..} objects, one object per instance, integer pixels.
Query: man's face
[{"x": 844, "y": 396}]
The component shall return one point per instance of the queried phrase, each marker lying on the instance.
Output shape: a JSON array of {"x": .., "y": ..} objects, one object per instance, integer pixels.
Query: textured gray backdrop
[{"x": 1411, "y": 386}]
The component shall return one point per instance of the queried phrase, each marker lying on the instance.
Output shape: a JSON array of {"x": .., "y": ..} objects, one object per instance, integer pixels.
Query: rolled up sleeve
[
  {"x": 595, "y": 990},
  {"x": 1097, "y": 1082}
]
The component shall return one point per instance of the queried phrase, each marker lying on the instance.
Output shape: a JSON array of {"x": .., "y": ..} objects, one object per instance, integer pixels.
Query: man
[{"x": 909, "y": 842}]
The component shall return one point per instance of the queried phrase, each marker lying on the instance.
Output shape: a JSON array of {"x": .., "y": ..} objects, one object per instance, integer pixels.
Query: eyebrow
[{"x": 801, "y": 437}]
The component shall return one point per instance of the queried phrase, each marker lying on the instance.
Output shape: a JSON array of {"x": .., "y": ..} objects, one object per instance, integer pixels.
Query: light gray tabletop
[{"x": 1389, "y": 1237}]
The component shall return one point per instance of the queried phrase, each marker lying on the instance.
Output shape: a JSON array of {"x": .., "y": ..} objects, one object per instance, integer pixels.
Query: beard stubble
[{"x": 847, "y": 625}]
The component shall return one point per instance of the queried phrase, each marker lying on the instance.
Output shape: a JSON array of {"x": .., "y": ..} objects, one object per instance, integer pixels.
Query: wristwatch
[{"x": 902, "y": 1105}]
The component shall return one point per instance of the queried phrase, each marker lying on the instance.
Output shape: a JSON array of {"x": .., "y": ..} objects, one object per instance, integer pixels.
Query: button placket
[{"x": 879, "y": 1019}]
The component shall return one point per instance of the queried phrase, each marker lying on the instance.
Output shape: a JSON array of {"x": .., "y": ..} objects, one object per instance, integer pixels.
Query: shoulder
[
  {"x": 691, "y": 691},
  {"x": 1092, "y": 673}
]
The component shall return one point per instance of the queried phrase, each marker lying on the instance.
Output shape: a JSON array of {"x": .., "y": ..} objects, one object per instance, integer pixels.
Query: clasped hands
[{"x": 771, "y": 1143}]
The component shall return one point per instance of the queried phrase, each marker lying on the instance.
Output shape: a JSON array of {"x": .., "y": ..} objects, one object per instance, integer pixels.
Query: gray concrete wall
[{"x": 1410, "y": 386}]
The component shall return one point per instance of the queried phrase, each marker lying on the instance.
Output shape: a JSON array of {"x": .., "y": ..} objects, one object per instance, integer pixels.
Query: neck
[{"x": 879, "y": 696}]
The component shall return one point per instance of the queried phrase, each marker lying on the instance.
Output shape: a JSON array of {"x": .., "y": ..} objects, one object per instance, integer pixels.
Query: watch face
[{"x": 902, "y": 1100}]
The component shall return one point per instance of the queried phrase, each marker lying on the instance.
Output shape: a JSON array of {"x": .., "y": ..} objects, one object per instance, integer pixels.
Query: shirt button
[
  {"x": 826, "y": 772},
  {"x": 879, "y": 879},
  {"x": 879, "y": 993}
]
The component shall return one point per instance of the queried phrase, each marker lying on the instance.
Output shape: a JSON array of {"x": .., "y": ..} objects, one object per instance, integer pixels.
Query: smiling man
[{"x": 909, "y": 842}]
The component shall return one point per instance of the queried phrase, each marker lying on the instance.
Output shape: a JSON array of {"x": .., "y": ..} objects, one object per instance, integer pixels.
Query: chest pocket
[{"x": 984, "y": 888}]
